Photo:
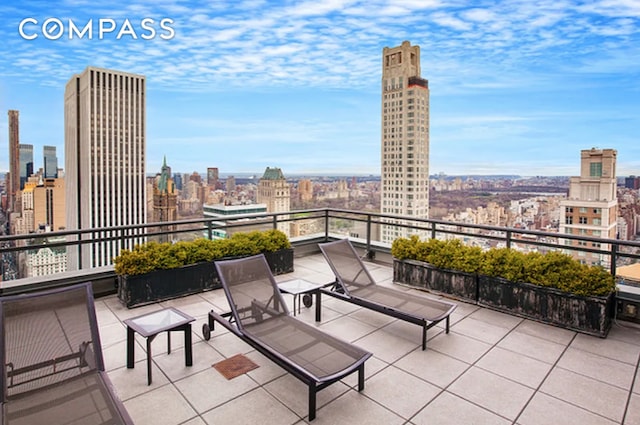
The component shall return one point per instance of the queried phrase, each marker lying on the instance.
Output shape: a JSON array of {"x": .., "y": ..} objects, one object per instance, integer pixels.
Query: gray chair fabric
[
  {"x": 355, "y": 284},
  {"x": 53, "y": 370}
]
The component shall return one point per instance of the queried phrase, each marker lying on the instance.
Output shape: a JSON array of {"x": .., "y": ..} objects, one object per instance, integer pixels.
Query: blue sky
[{"x": 517, "y": 87}]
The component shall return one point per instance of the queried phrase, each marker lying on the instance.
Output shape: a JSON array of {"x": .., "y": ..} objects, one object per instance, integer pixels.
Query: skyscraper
[
  {"x": 405, "y": 137},
  {"x": 212, "y": 176},
  {"x": 14, "y": 157},
  {"x": 49, "y": 204},
  {"x": 591, "y": 206},
  {"x": 274, "y": 191},
  {"x": 50, "y": 162},
  {"x": 26, "y": 163},
  {"x": 165, "y": 200},
  {"x": 105, "y": 151}
]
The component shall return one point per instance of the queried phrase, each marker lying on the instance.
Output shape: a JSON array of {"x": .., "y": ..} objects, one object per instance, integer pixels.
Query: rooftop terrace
[{"x": 492, "y": 368}]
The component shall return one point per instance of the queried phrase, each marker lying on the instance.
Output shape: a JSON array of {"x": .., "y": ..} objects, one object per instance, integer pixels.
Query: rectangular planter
[
  {"x": 423, "y": 275},
  {"x": 590, "y": 315},
  {"x": 280, "y": 262},
  {"x": 161, "y": 285}
]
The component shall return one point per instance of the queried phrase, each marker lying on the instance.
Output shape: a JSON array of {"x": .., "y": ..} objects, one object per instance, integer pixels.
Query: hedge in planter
[
  {"x": 157, "y": 271},
  {"x": 438, "y": 266},
  {"x": 552, "y": 287}
]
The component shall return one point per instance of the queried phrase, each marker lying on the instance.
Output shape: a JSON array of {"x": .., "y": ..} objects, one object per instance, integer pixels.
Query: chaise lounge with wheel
[
  {"x": 260, "y": 317},
  {"x": 355, "y": 285}
]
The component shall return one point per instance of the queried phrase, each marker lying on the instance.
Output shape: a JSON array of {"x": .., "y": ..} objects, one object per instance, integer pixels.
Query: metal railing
[{"x": 322, "y": 224}]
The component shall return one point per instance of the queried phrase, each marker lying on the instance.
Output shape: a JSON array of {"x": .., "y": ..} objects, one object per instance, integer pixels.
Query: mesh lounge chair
[
  {"x": 260, "y": 317},
  {"x": 53, "y": 371},
  {"x": 354, "y": 284}
]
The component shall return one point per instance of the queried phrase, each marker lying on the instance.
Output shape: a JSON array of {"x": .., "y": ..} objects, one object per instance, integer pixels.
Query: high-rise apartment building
[
  {"x": 105, "y": 151},
  {"x": 26, "y": 163},
  {"x": 50, "y": 162},
  {"x": 591, "y": 206},
  {"x": 13, "y": 186},
  {"x": 49, "y": 210},
  {"x": 230, "y": 184},
  {"x": 632, "y": 182},
  {"x": 212, "y": 177},
  {"x": 405, "y": 138},
  {"x": 274, "y": 191},
  {"x": 305, "y": 190}
]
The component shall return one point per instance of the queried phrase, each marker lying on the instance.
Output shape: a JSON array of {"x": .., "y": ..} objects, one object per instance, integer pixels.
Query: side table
[
  {"x": 150, "y": 325},
  {"x": 298, "y": 287}
]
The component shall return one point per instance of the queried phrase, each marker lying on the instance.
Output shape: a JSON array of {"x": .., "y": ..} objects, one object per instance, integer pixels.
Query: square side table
[
  {"x": 297, "y": 287},
  {"x": 150, "y": 325}
]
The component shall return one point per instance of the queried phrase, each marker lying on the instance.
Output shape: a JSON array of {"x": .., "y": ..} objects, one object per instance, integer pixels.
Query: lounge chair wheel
[
  {"x": 206, "y": 332},
  {"x": 307, "y": 300}
]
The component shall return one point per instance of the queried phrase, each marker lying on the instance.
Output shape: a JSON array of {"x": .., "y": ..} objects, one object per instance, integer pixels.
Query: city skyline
[{"x": 516, "y": 88}]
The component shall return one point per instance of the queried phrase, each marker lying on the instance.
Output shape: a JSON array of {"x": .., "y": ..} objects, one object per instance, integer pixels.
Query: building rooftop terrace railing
[{"x": 323, "y": 224}]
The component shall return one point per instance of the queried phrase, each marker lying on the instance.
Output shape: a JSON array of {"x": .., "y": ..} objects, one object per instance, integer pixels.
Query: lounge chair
[
  {"x": 260, "y": 317},
  {"x": 354, "y": 284},
  {"x": 53, "y": 370}
]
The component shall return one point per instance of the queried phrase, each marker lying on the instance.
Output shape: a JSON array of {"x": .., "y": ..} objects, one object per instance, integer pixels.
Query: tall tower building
[
  {"x": 230, "y": 184},
  {"x": 26, "y": 163},
  {"x": 50, "y": 162},
  {"x": 305, "y": 190},
  {"x": 591, "y": 206},
  {"x": 165, "y": 200},
  {"x": 49, "y": 205},
  {"x": 212, "y": 176},
  {"x": 405, "y": 138},
  {"x": 274, "y": 191},
  {"x": 14, "y": 157},
  {"x": 105, "y": 151}
]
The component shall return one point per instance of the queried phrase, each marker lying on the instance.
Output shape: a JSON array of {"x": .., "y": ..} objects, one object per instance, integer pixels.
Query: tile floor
[{"x": 491, "y": 368}]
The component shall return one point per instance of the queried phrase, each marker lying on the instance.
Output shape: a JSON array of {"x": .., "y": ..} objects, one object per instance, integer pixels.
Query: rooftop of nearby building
[
  {"x": 630, "y": 273},
  {"x": 492, "y": 368},
  {"x": 274, "y": 173}
]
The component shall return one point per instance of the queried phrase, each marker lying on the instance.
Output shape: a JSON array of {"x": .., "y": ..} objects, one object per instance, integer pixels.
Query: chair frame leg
[
  {"x": 424, "y": 337},
  {"x": 312, "y": 401}
]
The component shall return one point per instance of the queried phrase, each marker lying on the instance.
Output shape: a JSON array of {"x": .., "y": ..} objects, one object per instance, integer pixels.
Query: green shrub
[
  {"x": 449, "y": 254},
  {"x": 151, "y": 256},
  {"x": 553, "y": 269}
]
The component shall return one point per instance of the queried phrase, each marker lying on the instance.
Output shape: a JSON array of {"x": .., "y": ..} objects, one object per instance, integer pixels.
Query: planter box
[
  {"x": 160, "y": 285},
  {"x": 590, "y": 315},
  {"x": 280, "y": 262},
  {"x": 425, "y": 276}
]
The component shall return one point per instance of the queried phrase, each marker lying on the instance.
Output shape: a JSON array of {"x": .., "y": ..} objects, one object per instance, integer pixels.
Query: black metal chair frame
[
  {"x": 89, "y": 354},
  {"x": 230, "y": 321},
  {"x": 339, "y": 290}
]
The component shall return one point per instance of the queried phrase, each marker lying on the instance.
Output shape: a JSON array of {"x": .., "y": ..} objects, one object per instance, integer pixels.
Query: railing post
[
  {"x": 370, "y": 254},
  {"x": 79, "y": 253},
  {"x": 508, "y": 239},
  {"x": 209, "y": 230},
  {"x": 275, "y": 221},
  {"x": 614, "y": 258},
  {"x": 326, "y": 225},
  {"x": 433, "y": 230}
]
